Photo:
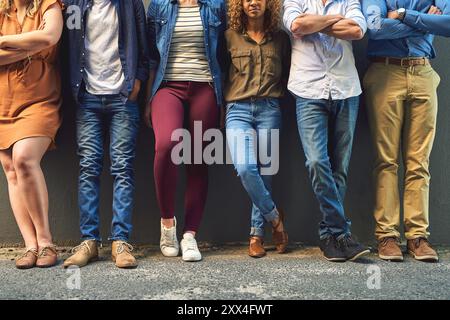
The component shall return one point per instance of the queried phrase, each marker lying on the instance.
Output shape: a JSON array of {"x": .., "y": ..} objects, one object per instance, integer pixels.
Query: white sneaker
[
  {"x": 169, "y": 243},
  {"x": 189, "y": 248}
]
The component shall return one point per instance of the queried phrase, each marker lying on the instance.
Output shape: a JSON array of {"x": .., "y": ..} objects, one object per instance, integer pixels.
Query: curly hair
[
  {"x": 33, "y": 7},
  {"x": 238, "y": 18}
]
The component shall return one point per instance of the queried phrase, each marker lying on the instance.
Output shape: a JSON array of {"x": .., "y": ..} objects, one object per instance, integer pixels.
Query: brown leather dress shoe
[
  {"x": 421, "y": 250},
  {"x": 48, "y": 257},
  {"x": 256, "y": 248},
  {"x": 121, "y": 255},
  {"x": 280, "y": 239},
  {"x": 27, "y": 260},
  {"x": 389, "y": 249}
]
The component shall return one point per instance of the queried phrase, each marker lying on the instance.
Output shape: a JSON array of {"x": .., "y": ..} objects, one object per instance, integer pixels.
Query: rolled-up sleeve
[
  {"x": 292, "y": 9},
  {"x": 435, "y": 24},
  {"x": 354, "y": 13},
  {"x": 381, "y": 28}
]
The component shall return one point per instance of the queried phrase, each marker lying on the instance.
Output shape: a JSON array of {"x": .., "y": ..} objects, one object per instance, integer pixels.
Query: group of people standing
[{"x": 195, "y": 60}]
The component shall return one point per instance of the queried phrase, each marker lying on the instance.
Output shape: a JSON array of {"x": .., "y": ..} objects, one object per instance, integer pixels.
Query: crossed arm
[
  {"x": 384, "y": 22},
  {"x": 18, "y": 47},
  {"x": 350, "y": 26},
  {"x": 333, "y": 25}
]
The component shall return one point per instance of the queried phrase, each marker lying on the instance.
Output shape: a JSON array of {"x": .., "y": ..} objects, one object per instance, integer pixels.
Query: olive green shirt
[{"x": 256, "y": 70}]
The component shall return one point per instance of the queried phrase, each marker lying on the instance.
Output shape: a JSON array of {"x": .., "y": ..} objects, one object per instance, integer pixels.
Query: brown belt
[{"x": 404, "y": 62}]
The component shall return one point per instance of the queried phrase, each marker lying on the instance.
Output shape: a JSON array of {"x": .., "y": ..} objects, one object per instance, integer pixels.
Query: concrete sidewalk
[{"x": 228, "y": 273}]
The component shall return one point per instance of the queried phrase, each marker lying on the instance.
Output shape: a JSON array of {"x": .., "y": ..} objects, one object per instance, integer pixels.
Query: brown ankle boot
[
  {"x": 256, "y": 249},
  {"x": 421, "y": 250},
  {"x": 27, "y": 260},
  {"x": 280, "y": 239},
  {"x": 48, "y": 257},
  {"x": 121, "y": 255},
  {"x": 389, "y": 249},
  {"x": 82, "y": 254}
]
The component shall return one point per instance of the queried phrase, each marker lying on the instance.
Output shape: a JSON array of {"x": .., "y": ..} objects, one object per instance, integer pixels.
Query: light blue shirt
[{"x": 323, "y": 66}]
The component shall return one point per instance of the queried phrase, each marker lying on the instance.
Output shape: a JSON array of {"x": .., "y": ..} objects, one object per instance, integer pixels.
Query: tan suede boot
[
  {"x": 121, "y": 255},
  {"x": 86, "y": 252}
]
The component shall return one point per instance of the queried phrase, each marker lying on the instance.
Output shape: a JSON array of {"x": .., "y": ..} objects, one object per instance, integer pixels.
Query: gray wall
[{"x": 227, "y": 213}]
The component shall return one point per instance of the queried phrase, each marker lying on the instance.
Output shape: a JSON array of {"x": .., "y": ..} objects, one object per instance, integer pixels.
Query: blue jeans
[
  {"x": 326, "y": 129},
  {"x": 98, "y": 116},
  {"x": 248, "y": 125}
]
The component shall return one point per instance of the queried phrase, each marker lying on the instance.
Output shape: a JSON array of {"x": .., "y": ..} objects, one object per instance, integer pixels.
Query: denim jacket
[
  {"x": 133, "y": 45},
  {"x": 161, "y": 19}
]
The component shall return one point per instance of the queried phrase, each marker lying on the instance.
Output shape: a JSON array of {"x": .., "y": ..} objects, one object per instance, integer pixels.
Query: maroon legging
[{"x": 174, "y": 105}]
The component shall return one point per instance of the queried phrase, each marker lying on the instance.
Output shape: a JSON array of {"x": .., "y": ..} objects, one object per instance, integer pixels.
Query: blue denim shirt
[
  {"x": 411, "y": 38},
  {"x": 161, "y": 19},
  {"x": 133, "y": 45}
]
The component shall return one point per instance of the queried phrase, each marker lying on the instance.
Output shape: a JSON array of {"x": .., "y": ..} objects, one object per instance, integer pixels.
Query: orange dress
[{"x": 30, "y": 90}]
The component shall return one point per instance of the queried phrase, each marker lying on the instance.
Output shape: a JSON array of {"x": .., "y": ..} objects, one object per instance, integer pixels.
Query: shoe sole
[
  {"x": 391, "y": 258},
  {"x": 335, "y": 259},
  {"x": 192, "y": 260},
  {"x": 25, "y": 268},
  {"x": 169, "y": 255},
  {"x": 424, "y": 258},
  {"x": 257, "y": 256},
  {"x": 359, "y": 255},
  {"x": 124, "y": 267},
  {"x": 81, "y": 265}
]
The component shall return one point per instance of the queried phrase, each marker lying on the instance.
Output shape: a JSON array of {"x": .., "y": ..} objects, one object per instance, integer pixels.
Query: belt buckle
[{"x": 405, "y": 65}]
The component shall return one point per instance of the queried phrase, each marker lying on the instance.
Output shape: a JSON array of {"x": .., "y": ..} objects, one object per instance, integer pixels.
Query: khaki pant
[{"x": 402, "y": 109}]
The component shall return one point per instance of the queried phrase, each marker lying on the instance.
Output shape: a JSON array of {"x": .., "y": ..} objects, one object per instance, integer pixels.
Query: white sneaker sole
[
  {"x": 191, "y": 259},
  {"x": 170, "y": 255}
]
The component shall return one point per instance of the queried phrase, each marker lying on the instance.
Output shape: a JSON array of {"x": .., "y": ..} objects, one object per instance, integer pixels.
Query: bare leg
[
  {"x": 19, "y": 209},
  {"x": 27, "y": 155}
]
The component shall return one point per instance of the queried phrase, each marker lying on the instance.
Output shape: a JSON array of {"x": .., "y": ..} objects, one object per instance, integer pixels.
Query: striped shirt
[{"x": 187, "y": 56}]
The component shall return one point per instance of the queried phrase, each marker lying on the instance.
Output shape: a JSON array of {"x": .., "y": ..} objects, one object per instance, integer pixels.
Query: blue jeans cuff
[
  {"x": 272, "y": 215},
  {"x": 258, "y": 232},
  {"x": 118, "y": 239},
  {"x": 99, "y": 240}
]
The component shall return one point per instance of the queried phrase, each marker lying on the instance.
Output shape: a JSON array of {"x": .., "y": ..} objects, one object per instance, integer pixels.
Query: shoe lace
[
  {"x": 124, "y": 247},
  {"x": 32, "y": 250},
  {"x": 331, "y": 240},
  {"x": 44, "y": 251},
  {"x": 191, "y": 244},
  {"x": 418, "y": 241},
  {"x": 83, "y": 245},
  {"x": 168, "y": 238},
  {"x": 346, "y": 241},
  {"x": 386, "y": 240}
]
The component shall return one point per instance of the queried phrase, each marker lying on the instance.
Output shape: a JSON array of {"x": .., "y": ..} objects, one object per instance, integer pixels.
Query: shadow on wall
[{"x": 228, "y": 209}]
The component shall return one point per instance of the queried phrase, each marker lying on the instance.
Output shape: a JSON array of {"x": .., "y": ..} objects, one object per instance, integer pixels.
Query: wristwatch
[{"x": 401, "y": 13}]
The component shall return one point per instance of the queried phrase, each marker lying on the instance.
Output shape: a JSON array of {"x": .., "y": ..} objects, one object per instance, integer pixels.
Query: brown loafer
[
  {"x": 27, "y": 260},
  {"x": 256, "y": 248},
  {"x": 48, "y": 257},
  {"x": 280, "y": 239}
]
